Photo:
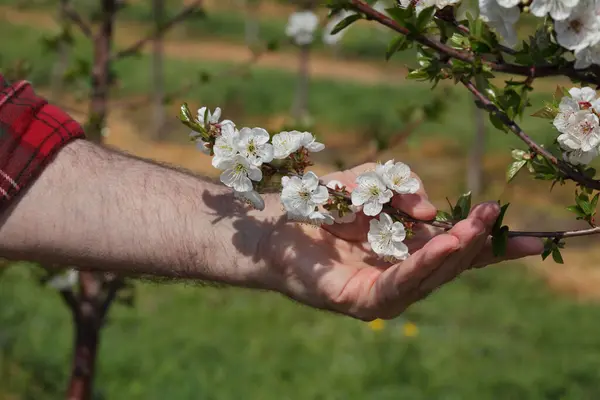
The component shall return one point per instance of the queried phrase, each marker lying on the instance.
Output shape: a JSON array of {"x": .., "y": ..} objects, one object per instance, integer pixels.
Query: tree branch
[
  {"x": 447, "y": 225},
  {"x": 78, "y": 20},
  {"x": 233, "y": 71},
  {"x": 136, "y": 47},
  {"x": 534, "y": 71},
  {"x": 113, "y": 288},
  {"x": 70, "y": 300},
  {"x": 569, "y": 171}
]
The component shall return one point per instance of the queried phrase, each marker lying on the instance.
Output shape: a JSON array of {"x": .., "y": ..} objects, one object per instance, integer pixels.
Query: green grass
[
  {"x": 339, "y": 104},
  {"x": 495, "y": 334}
]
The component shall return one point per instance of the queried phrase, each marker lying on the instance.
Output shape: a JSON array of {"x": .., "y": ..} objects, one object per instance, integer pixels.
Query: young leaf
[
  {"x": 518, "y": 155},
  {"x": 583, "y": 202},
  {"x": 548, "y": 247},
  {"x": 594, "y": 202},
  {"x": 513, "y": 169},
  {"x": 443, "y": 216},
  {"x": 424, "y": 17},
  {"x": 556, "y": 256},
  {"x": 398, "y": 43},
  {"x": 186, "y": 117},
  {"x": 346, "y": 22},
  {"x": 464, "y": 205},
  {"x": 499, "y": 241},
  {"x": 577, "y": 210},
  {"x": 498, "y": 223},
  {"x": 547, "y": 112},
  {"x": 497, "y": 122}
]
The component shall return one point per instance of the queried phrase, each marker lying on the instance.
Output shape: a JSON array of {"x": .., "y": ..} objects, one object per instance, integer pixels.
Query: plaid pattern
[{"x": 31, "y": 133}]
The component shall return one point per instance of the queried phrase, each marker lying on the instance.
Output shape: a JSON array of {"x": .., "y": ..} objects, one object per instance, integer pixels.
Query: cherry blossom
[
  {"x": 386, "y": 237},
  {"x": 239, "y": 173},
  {"x": 371, "y": 193},
  {"x": 301, "y": 196}
]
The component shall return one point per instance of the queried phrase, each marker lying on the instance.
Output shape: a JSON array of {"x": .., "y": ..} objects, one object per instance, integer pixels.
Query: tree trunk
[
  {"x": 62, "y": 61},
  {"x": 87, "y": 336},
  {"x": 87, "y": 313},
  {"x": 158, "y": 72},
  {"x": 101, "y": 72},
  {"x": 300, "y": 105},
  {"x": 475, "y": 165}
]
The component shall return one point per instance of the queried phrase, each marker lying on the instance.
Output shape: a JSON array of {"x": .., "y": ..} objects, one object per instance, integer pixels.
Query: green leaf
[
  {"x": 547, "y": 112},
  {"x": 186, "y": 117},
  {"x": 398, "y": 43},
  {"x": 498, "y": 223},
  {"x": 577, "y": 210},
  {"x": 513, "y": 169},
  {"x": 594, "y": 202},
  {"x": 583, "y": 202},
  {"x": 424, "y": 17},
  {"x": 548, "y": 247},
  {"x": 497, "y": 122},
  {"x": 556, "y": 256},
  {"x": 443, "y": 216},
  {"x": 463, "y": 205},
  {"x": 417, "y": 74},
  {"x": 499, "y": 241},
  {"x": 518, "y": 155},
  {"x": 346, "y": 22}
]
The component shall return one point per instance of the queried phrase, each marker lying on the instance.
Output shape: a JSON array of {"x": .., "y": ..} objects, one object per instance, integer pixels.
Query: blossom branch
[
  {"x": 534, "y": 71},
  {"x": 161, "y": 30},
  {"x": 569, "y": 171},
  {"x": 447, "y": 225}
]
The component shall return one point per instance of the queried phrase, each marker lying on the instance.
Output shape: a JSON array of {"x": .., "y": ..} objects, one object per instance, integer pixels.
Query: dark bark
[
  {"x": 101, "y": 72},
  {"x": 87, "y": 337},
  {"x": 62, "y": 61},
  {"x": 158, "y": 9}
]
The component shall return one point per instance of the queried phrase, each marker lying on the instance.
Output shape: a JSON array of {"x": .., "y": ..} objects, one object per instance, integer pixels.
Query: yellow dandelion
[
  {"x": 410, "y": 330},
  {"x": 377, "y": 324}
]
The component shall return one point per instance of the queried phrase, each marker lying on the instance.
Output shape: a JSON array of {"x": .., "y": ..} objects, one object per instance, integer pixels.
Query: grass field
[
  {"x": 493, "y": 334},
  {"x": 496, "y": 334}
]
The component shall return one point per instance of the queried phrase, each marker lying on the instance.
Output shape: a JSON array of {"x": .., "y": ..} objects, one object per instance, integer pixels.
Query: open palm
[{"x": 333, "y": 268}]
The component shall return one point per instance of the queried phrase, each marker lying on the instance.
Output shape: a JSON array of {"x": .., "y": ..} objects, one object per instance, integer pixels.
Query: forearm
[{"x": 99, "y": 209}]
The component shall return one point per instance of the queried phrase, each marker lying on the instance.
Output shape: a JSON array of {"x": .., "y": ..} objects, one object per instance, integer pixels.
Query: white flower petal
[
  {"x": 320, "y": 195},
  {"x": 372, "y": 208},
  {"x": 255, "y": 173},
  {"x": 310, "y": 180}
]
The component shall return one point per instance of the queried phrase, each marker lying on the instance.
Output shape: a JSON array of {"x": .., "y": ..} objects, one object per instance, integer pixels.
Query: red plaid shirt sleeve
[{"x": 31, "y": 133}]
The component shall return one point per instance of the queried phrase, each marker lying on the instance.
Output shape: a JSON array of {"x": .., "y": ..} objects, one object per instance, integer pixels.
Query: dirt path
[{"x": 216, "y": 50}]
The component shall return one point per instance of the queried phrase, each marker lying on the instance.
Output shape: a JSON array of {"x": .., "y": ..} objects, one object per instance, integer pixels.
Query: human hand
[{"x": 332, "y": 268}]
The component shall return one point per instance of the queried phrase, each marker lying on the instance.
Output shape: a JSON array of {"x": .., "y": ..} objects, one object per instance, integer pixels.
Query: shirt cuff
[{"x": 31, "y": 133}]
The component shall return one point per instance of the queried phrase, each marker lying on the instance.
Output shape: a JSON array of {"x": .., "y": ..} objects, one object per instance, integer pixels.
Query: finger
[
  {"x": 517, "y": 247},
  {"x": 472, "y": 234},
  {"x": 388, "y": 295}
]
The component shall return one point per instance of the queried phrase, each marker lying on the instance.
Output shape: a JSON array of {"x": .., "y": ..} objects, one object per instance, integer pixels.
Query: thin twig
[
  {"x": 447, "y": 225},
  {"x": 70, "y": 300},
  {"x": 78, "y": 20},
  {"x": 111, "y": 294},
  {"x": 161, "y": 30},
  {"x": 237, "y": 69}
]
